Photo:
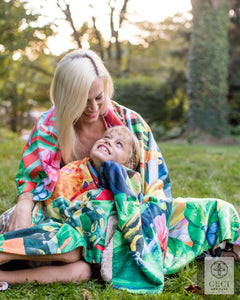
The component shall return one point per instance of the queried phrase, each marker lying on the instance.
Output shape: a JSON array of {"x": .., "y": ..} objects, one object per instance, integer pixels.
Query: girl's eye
[
  {"x": 120, "y": 144},
  {"x": 107, "y": 137}
]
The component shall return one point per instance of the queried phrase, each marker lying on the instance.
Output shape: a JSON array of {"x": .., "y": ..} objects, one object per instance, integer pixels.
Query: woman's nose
[{"x": 92, "y": 105}]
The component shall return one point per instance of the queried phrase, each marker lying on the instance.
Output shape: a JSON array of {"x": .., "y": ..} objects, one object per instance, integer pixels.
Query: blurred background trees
[
  {"x": 178, "y": 74},
  {"x": 234, "y": 70},
  {"x": 22, "y": 43},
  {"x": 208, "y": 68}
]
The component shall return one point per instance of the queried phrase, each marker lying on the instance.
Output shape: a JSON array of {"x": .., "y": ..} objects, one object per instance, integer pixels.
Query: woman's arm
[
  {"x": 21, "y": 216},
  {"x": 40, "y": 163},
  {"x": 38, "y": 171}
]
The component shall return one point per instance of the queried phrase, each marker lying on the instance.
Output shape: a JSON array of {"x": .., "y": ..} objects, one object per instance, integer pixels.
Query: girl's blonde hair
[
  {"x": 131, "y": 139},
  {"x": 69, "y": 90}
]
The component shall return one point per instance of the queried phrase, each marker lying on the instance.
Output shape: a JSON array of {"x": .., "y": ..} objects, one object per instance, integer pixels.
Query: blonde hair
[
  {"x": 131, "y": 139},
  {"x": 69, "y": 90}
]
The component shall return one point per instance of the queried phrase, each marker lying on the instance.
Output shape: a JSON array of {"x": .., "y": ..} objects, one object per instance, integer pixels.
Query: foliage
[
  {"x": 116, "y": 18},
  {"x": 26, "y": 89},
  {"x": 210, "y": 171},
  {"x": 159, "y": 52},
  {"x": 21, "y": 42},
  {"x": 162, "y": 48},
  {"x": 29, "y": 80},
  {"x": 18, "y": 27},
  {"x": 208, "y": 67},
  {"x": 234, "y": 71},
  {"x": 153, "y": 100}
]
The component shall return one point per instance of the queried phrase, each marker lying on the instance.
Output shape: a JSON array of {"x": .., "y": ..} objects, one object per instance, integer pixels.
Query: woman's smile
[{"x": 91, "y": 115}]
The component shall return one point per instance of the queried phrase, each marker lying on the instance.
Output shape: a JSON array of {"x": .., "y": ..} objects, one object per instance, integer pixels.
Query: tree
[
  {"x": 21, "y": 42},
  {"x": 208, "y": 68},
  {"x": 110, "y": 49},
  {"x": 163, "y": 47},
  {"x": 234, "y": 71}
]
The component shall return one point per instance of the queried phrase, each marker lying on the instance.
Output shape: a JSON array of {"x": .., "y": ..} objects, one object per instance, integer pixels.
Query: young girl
[{"x": 78, "y": 208}]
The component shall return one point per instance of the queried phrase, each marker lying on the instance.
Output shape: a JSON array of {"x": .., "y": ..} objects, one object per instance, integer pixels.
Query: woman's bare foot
[{"x": 234, "y": 252}]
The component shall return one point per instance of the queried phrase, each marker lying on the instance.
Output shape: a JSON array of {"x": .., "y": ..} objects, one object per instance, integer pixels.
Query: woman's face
[{"x": 95, "y": 102}]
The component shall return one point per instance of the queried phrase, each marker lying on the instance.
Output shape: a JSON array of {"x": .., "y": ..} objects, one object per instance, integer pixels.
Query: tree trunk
[{"x": 208, "y": 68}]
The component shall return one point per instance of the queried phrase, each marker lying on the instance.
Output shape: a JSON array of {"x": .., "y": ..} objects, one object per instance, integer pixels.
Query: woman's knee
[
  {"x": 72, "y": 256},
  {"x": 80, "y": 271}
]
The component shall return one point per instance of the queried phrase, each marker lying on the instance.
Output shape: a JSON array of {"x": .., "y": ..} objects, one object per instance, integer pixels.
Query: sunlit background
[
  {"x": 176, "y": 65},
  {"x": 138, "y": 11}
]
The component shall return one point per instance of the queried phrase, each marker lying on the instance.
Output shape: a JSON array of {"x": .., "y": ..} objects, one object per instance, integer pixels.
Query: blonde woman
[{"x": 81, "y": 90}]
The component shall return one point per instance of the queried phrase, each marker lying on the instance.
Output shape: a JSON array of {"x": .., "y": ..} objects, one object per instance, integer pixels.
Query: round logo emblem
[{"x": 219, "y": 269}]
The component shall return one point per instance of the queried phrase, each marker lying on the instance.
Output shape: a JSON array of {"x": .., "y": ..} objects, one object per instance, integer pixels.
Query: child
[{"x": 118, "y": 144}]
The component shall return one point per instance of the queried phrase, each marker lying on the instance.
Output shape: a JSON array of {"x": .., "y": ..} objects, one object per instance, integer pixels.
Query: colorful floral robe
[{"x": 155, "y": 235}]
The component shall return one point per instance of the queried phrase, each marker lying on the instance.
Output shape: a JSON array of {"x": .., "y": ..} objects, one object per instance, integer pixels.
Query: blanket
[
  {"x": 66, "y": 221},
  {"x": 155, "y": 235},
  {"x": 143, "y": 247}
]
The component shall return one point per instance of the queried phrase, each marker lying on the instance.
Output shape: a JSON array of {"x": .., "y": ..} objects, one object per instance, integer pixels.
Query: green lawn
[
  {"x": 196, "y": 171},
  {"x": 204, "y": 171}
]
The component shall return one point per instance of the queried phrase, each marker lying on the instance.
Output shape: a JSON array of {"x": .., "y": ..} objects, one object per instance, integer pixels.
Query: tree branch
[
  {"x": 98, "y": 36},
  {"x": 68, "y": 14},
  {"x": 123, "y": 13}
]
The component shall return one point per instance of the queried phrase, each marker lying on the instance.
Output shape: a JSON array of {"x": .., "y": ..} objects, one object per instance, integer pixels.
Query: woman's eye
[{"x": 99, "y": 98}]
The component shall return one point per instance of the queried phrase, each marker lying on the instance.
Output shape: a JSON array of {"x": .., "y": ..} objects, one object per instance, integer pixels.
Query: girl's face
[
  {"x": 110, "y": 147},
  {"x": 95, "y": 102}
]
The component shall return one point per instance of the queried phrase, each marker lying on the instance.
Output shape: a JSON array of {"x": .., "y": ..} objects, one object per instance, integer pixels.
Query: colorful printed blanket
[
  {"x": 154, "y": 235},
  {"x": 142, "y": 235}
]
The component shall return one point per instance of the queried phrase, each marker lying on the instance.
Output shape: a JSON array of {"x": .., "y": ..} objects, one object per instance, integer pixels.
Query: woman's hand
[{"x": 21, "y": 216}]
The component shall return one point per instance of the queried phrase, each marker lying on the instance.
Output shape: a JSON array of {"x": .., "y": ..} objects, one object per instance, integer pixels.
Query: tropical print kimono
[{"x": 155, "y": 234}]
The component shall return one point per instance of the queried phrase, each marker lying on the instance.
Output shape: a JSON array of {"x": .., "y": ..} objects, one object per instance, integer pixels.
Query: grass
[
  {"x": 196, "y": 171},
  {"x": 204, "y": 171}
]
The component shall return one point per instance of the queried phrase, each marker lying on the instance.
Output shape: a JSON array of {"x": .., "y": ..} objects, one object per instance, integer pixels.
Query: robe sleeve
[{"x": 40, "y": 163}]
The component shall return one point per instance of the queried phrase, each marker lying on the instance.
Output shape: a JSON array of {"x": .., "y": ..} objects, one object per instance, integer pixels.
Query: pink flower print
[
  {"x": 51, "y": 165},
  {"x": 50, "y": 159},
  {"x": 162, "y": 231}
]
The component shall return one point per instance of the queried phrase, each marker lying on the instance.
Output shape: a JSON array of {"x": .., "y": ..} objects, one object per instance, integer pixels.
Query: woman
[{"x": 81, "y": 91}]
